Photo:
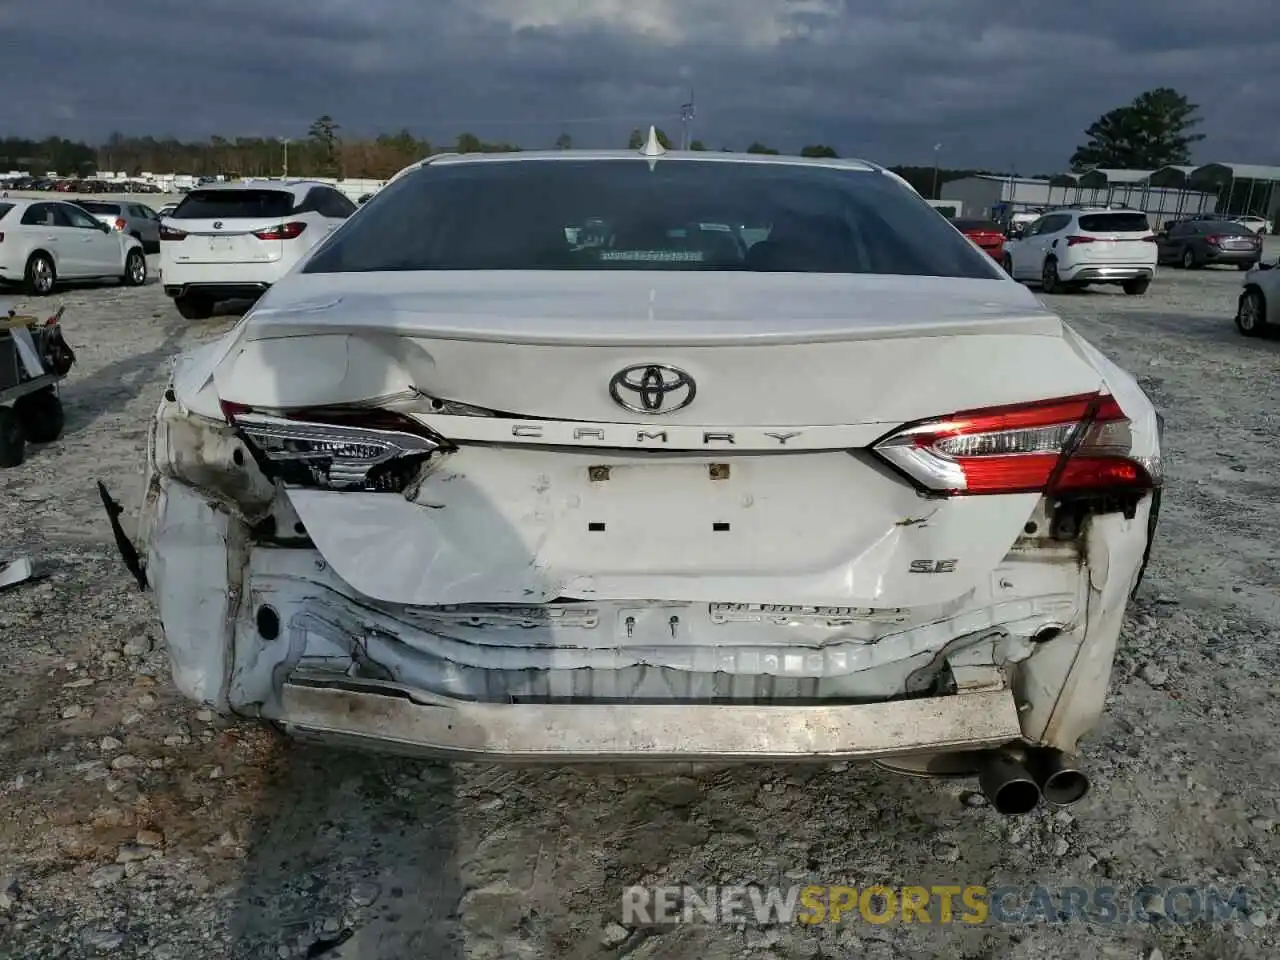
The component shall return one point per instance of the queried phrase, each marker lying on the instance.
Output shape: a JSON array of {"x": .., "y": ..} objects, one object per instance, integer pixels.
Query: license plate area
[
  {"x": 667, "y": 500},
  {"x": 602, "y": 515}
]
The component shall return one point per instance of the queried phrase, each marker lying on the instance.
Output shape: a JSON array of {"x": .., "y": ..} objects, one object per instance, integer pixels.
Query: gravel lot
[{"x": 132, "y": 825}]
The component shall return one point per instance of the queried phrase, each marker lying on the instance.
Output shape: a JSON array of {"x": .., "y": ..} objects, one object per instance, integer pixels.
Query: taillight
[
  {"x": 285, "y": 231},
  {"x": 371, "y": 450},
  {"x": 1075, "y": 241},
  {"x": 168, "y": 233},
  {"x": 1151, "y": 238},
  {"x": 1214, "y": 239},
  {"x": 1070, "y": 445},
  {"x": 121, "y": 223}
]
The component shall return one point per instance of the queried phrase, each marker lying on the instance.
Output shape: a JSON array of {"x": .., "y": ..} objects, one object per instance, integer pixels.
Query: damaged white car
[{"x": 589, "y": 455}]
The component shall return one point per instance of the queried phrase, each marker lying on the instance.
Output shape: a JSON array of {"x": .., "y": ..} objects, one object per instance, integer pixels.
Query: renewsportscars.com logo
[{"x": 938, "y": 904}]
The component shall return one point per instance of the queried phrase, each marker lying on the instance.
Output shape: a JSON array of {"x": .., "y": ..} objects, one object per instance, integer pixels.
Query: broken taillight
[
  {"x": 169, "y": 233},
  {"x": 376, "y": 451},
  {"x": 1070, "y": 445}
]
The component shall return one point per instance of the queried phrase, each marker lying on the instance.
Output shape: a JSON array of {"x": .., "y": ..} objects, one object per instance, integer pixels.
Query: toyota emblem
[
  {"x": 652, "y": 388},
  {"x": 217, "y": 224}
]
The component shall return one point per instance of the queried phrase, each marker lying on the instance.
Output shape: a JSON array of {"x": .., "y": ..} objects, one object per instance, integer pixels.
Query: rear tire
[
  {"x": 12, "y": 442},
  {"x": 1136, "y": 288},
  {"x": 1189, "y": 261},
  {"x": 1006, "y": 262},
  {"x": 135, "y": 269},
  {"x": 40, "y": 275},
  {"x": 40, "y": 416},
  {"x": 1251, "y": 314},
  {"x": 192, "y": 306},
  {"x": 1049, "y": 282},
  {"x": 1245, "y": 267}
]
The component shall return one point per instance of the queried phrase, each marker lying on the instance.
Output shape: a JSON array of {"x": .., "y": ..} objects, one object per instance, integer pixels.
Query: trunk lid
[
  {"x": 221, "y": 225},
  {"x": 759, "y": 490},
  {"x": 1235, "y": 240},
  {"x": 762, "y": 349},
  {"x": 225, "y": 241},
  {"x": 1120, "y": 237}
]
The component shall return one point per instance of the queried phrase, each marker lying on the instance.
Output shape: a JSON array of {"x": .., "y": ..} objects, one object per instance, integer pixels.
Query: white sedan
[
  {"x": 1258, "y": 309},
  {"x": 43, "y": 242},
  {"x": 1256, "y": 224},
  {"x": 459, "y": 485}
]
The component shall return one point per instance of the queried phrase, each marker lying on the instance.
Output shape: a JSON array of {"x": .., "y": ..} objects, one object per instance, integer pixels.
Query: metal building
[
  {"x": 990, "y": 195},
  {"x": 1245, "y": 188}
]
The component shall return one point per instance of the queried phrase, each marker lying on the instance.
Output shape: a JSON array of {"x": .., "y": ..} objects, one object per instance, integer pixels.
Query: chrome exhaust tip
[
  {"x": 1059, "y": 777},
  {"x": 1007, "y": 784}
]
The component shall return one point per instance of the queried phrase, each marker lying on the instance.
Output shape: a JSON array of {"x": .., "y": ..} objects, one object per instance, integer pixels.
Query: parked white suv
[
  {"x": 1073, "y": 248},
  {"x": 232, "y": 241}
]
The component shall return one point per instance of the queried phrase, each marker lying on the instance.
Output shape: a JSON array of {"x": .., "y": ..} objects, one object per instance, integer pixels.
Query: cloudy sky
[{"x": 998, "y": 83}]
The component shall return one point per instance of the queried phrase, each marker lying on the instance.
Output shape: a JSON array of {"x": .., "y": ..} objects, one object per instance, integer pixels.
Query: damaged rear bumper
[
  {"x": 392, "y": 717},
  {"x": 260, "y": 625}
]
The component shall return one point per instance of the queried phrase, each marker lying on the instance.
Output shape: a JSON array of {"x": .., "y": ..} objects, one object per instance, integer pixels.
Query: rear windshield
[
  {"x": 97, "y": 206},
  {"x": 629, "y": 214},
  {"x": 230, "y": 204},
  {"x": 977, "y": 225},
  {"x": 1225, "y": 227},
  {"x": 4, "y": 209},
  {"x": 1115, "y": 223}
]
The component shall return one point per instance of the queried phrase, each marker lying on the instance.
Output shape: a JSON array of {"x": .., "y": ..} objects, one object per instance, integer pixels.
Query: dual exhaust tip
[{"x": 1015, "y": 782}]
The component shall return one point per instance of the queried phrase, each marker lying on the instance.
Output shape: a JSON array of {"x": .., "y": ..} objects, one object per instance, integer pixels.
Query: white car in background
[
  {"x": 1257, "y": 224},
  {"x": 44, "y": 242},
  {"x": 1258, "y": 309},
  {"x": 460, "y": 485},
  {"x": 1076, "y": 247},
  {"x": 232, "y": 241}
]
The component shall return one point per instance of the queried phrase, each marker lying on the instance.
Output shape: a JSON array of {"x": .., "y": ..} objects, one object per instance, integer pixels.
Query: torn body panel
[
  {"x": 509, "y": 525},
  {"x": 283, "y": 616},
  {"x": 817, "y": 584}
]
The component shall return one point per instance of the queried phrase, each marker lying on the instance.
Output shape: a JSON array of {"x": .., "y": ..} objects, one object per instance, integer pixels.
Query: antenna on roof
[{"x": 654, "y": 147}]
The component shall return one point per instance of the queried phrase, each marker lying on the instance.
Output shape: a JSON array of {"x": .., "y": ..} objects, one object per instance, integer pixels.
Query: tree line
[
  {"x": 1151, "y": 131},
  {"x": 324, "y": 154}
]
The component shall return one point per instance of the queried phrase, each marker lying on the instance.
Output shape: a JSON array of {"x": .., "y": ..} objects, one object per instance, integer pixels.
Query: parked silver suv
[{"x": 136, "y": 219}]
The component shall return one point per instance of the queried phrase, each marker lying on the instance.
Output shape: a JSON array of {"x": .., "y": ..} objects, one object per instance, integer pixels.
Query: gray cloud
[{"x": 996, "y": 83}]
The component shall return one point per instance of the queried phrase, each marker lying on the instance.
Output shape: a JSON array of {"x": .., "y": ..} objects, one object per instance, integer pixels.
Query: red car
[{"x": 987, "y": 235}]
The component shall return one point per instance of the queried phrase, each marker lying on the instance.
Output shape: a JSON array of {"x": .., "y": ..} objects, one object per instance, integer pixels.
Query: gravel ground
[{"x": 133, "y": 825}]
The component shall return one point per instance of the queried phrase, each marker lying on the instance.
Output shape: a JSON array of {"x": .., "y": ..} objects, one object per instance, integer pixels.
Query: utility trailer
[{"x": 34, "y": 359}]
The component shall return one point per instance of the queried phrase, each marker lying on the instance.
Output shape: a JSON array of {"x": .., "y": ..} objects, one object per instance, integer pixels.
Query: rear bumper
[
  {"x": 1109, "y": 273},
  {"x": 278, "y": 642},
  {"x": 217, "y": 291},
  {"x": 213, "y": 277},
  {"x": 390, "y": 717},
  {"x": 1233, "y": 256}
]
